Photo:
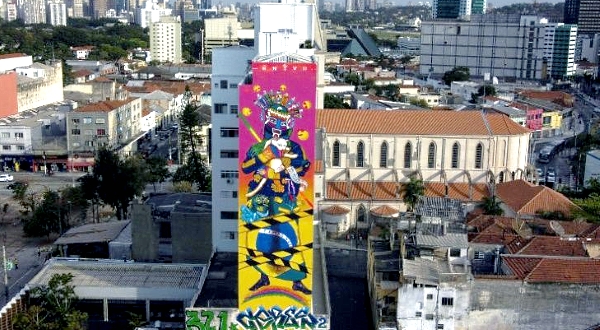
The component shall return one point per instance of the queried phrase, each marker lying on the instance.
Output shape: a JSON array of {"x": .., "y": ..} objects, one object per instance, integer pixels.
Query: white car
[{"x": 6, "y": 178}]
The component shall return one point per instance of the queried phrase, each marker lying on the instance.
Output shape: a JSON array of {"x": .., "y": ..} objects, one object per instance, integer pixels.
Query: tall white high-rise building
[
  {"x": 560, "y": 41},
  {"x": 297, "y": 26},
  {"x": 165, "y": 40},
  {"x": 56, "y": 13},
  {"x": 150, "y": 13}
]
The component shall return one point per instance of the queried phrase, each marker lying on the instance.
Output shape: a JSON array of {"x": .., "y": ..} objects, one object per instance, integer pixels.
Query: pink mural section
[{"x": 277, "y": 146}]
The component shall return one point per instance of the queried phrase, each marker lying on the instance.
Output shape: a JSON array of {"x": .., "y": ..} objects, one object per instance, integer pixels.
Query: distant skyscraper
[
  {"x": 99, "y": 8},
  {"x": 584, "y": 13},
  {"x": 165, "y": 39},
  {"x": 478, "y": 7},
  {"x": 56, "y": 13},
  {"x": 451, "y": 8}
]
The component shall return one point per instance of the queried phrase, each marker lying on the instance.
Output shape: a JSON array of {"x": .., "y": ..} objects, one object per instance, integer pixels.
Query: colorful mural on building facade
[{"x": 277, "y": 125}]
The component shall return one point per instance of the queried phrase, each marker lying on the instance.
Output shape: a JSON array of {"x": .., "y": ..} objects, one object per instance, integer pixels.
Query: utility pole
[{"x": 5, "y": 265}]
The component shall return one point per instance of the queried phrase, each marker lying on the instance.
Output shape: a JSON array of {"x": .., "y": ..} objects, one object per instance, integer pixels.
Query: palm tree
[
  {"x": 413, "y": 189},
  {"x": 491, "y": 205}
]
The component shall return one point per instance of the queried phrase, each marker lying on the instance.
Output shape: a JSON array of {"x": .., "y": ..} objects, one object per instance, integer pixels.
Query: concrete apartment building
[
  {"x": 56, "y": 13},
  {"x": 112, "y": 124},
  {"x": 165, "y": 40},
  {"x": 506, "y": 46},
  {"x": 221, "y": 32}
]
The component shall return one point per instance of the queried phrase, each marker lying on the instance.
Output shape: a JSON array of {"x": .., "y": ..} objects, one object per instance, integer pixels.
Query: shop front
[
  {"x": 80, "y": 162},
  {"x": 17, "y": 163}
]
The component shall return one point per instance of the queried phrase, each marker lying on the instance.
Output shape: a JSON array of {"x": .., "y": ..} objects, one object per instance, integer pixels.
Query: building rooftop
[
  {"x": 107, "y": 274},
  {"x": 94, "y": 232},
  {"x": 103, "y": 106},
  {"x": 525, "y": 198},
  {"x": 407, "y": 122}
]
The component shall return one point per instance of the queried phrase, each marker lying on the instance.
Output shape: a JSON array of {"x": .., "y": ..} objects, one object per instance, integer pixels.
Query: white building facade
[{"x": 165, "y": 40}]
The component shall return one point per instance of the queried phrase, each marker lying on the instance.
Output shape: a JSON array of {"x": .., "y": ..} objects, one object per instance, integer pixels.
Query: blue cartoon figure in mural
[{"x": 277, "y": 165}]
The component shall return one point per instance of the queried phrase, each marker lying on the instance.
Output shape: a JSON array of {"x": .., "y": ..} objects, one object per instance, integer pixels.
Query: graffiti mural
[
  {"x": 277, "y": 125},
  {"x": 291, "y": 318}
]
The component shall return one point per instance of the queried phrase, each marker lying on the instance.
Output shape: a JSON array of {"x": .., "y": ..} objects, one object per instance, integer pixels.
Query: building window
[
  {"x": 229, "y": 132},
  {"x": 360, "y": 154},
  {"x": 5, "y": 147},
  {"x": 223, "y": 84},
  {"x": 228, "y": 235},
  {"x": 229, "y": 215},
  {"x": 164, "y": 230},
  {"x": 5, "y": 135},
  {"x": 479, "y": 255},
  {"x": 101, "y": 132},
  {"x": 229, "y": 194},
  {"x": 361, "y": 214},
  {"x": 429, "y": 296},
  {"x": 76, "y": 131},
  {"x": 229, "y": 174},
  {"x": 232, "y": 85},
  {"x": 87, "y": 120},
  {"x": 407, "y": 155},
  {"x": 336, "y": 153},
  {"x": 455, "y": 155},
  {"x": 75, "y": 120},
  {"x": 229, "y": 154},
  {"x": 100, "y": 121},
  {"x": 455, "y": 252},
  {"x": 20, "y": 147},
  {"x": 233, "y": 109},
  {"x": 479, "y": 156},
  {"x": 383, "y": 155},
  {"x": 220, "y": 107},
  {"x": 18, "y": 136},
  {"x": 431, "y": 156},
  {"x": 429, "y": 316},
  {"x": 440, "y": 326},
  {"x": 446, "y": 301},
  {"x": 418, "y": 314}
]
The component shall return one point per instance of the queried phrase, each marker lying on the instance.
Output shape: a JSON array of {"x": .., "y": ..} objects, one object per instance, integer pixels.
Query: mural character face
[{"x": 278, "y": 123}]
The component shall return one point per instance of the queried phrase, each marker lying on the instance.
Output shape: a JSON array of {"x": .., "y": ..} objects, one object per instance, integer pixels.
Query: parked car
[{"x": 6, "y": 177}]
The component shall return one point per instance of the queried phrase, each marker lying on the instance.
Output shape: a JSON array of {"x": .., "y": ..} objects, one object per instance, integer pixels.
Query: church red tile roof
[
  {"x": 416, "y": 122},
  {"x": 554, "y": 270}
]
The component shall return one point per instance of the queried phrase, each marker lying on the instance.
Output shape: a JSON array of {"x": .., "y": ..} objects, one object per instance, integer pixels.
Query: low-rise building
[{"x": 112, "y": 124}]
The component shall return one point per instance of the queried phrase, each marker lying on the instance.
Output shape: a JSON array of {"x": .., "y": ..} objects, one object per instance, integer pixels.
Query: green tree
[
  {"x": 412, "y": 190},
  {"x": 119, "y": 181},
  {"x": 52, "y": 307},
  {"x": 156, "y": 170},
  {"x": 333, "y": 101},
  {"x": 459, "y": 73},
  {"x": 491, "y": 205},
  {"x": 49, "y": 216},
  {"x": 194, "y": 168},
  {"x": 352, "y": 78}
]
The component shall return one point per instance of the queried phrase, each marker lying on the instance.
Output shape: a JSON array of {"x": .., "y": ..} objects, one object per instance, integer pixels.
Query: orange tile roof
[
  {"x": 336, "y": 210},
  {"x": 385, "y": 211},
  {"x": 558, "y": 97},
  {"x": 550, "y": 270},
  {"x": 526, "y": 198},
  {"x": 103, "y": 106},
  {"x": 81, "y": 73},
  {"x": 457, "y": 190},
  {"x": 520, "y": 267},
  {"x": 390, "y": 190},
  {"x": 145, "y": 112},
  {"x": 416, "y": 122},
  {"x": 319, "y": 166},
  {"x": 553, "y": 246},
  {"x": 12, "y": 55},
  {"x": 173, "y": 87}
]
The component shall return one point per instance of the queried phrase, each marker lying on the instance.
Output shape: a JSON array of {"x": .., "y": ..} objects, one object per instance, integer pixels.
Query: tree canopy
[
  {"x": 459, "y": 73},
  {"x": 52, "y": 307}
]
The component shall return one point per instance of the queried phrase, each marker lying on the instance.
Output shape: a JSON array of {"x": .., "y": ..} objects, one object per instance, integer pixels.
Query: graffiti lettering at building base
[{"x": 290, "y": 318}]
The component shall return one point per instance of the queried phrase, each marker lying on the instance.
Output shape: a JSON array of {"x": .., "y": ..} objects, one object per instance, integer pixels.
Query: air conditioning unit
[{"x": 230, "y": 181}]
